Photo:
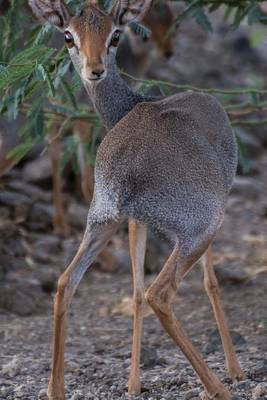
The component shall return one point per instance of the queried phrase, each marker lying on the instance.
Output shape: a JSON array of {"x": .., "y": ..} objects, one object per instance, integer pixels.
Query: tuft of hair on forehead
[{"x": 93, "y": 19}]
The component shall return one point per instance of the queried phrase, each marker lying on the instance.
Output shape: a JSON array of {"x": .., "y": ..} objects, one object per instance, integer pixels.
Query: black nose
[
  {"x": 168, "y": 53},
  {"x": 98, "y": 73}
]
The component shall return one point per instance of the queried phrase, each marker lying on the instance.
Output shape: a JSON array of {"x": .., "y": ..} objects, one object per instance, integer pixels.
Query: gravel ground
[{"x": 99, "y": 336}]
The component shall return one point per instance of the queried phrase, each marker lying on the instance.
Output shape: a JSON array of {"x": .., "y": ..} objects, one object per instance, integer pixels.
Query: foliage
[
  {"x": 38, "y": 80},
  {"x": 235, "y": 12}
]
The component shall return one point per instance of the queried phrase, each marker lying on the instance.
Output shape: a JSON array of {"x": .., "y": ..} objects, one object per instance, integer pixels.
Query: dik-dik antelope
[{"x": 166, "y": 163}]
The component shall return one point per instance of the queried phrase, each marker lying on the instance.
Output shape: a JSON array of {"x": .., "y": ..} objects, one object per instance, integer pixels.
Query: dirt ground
[
  {"x": 99, "y": 338},
  {"x": 100, "y": 328}
]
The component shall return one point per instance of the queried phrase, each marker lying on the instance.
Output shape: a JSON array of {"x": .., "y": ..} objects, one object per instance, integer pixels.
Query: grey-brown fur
[
  {"x": 92, "y": 19},
  {"x": 112, "y": 97},
  {"x": 169, "y": 164}
]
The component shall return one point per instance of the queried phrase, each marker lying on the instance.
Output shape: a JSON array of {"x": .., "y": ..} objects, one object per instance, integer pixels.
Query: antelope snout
[{"x": 93, "y": 73}]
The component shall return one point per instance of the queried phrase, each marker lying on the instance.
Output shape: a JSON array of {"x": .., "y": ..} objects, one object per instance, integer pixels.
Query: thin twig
[{"x": 154, "y": 82}]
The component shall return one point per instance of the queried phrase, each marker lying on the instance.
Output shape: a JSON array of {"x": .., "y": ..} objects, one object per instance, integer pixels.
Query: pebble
[
  {"x": 260, "y": 392},
  {"x": 42, "y": 395},
  {"x": 78, "y": 395},
  {"x": 12, "y": 368},
  {"x": 190, "y": 394}
]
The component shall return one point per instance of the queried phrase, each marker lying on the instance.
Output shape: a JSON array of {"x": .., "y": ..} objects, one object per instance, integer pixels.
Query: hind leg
[
  {"x": 160, "y": 296},
  {"x": 212, "y": 289},
  {"x": 137, "y": 238}
]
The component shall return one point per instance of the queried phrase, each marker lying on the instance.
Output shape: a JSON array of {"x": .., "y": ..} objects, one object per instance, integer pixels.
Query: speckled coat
[{"x": 169, "y": 163}]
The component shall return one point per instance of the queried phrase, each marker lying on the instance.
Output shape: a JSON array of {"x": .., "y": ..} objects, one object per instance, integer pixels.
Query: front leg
[
  {"x": 94, "y": 241},
  {"x": 137, "y": 239}
]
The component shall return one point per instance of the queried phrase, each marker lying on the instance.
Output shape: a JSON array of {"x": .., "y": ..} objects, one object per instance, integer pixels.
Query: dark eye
[
  {"x": 115, "y": 38},
  {"x": 69, "y": 39}
]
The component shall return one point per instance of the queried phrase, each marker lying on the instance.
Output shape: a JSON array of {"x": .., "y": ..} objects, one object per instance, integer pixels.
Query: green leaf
[
  {"x": 39, "y": 123},
  {"x": 68, "y": 91},
  {"x": 242, "y": 155},
  {"x": 164, "y": 90},
  {"x": 44, "y": 34},
  {"x": 201, "y": 18},
  {"x": 108, "y": 5},
  {"x": 35, "y": 54},
  {"x": 144, "y": 88},
  {"x": 257, "y": 37},
  {"x": 47, "y": 78},
  {"x": 239, "y": 15},
  {"x": 228, "y": 12},
  {"x": 254, "y": 99},
  {"x": 254, "y": 14},
  {"x": 214, "y": 7},
  {"x": 76, "y": 82},
  {"x": 20, "y": 151},
  {"x": 139, "y": 29},
  {"x": 3, "y": 71}
]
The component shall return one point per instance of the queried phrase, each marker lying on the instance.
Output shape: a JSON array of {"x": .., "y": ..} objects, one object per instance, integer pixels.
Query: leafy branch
[{"x": 40, "y": 82}]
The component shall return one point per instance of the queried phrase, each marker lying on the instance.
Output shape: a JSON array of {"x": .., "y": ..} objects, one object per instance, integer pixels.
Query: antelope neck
[{"x": 112, "y": 97}]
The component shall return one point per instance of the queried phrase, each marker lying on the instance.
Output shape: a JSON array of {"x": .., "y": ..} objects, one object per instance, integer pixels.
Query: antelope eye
[
  {"x": 115, "y": 38},
  {"x": 69, "y": 39}
]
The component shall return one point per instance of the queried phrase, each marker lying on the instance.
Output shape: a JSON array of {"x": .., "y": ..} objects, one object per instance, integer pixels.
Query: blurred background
[{"x": 49, "y": 135}]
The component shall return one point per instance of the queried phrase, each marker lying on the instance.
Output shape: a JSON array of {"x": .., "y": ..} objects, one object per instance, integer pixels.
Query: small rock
[
  {"x": 43, "y": 394},
  {"x": 233, "y": 274},
  {"x": 260, "y": 391},
  {"x": 32, "y": 191},
  {"x": 22, "y": 297},
  {"x": 4, "y": 391},
  {"x": 190, "y": 394},
  {"x": 41, "y": 216},
  {"x": 12, "y": 368},
  {"x": 71, "y": 366},
  {"x": 149, "y": 357},
  {"x": 14, "y": 198},
  {"x": 215, "y": 344},
  {"x": 259, "y": 371},
  {"x": 243, "y": 385},
  {"x": 77, "y": 395},
  {"x": 20, "y": 391}
]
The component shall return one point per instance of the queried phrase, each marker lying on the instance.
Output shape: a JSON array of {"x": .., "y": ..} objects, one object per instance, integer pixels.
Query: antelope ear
[
  {"x": 126, "y": 11},
  {"x": 53, "y": 12}
]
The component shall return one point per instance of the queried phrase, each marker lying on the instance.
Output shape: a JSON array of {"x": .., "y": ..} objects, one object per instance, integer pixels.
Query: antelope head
[{"x": 92, "y": 36}]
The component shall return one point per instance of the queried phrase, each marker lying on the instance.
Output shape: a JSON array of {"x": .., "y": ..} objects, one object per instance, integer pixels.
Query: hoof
[
  {"x": 237, "y": 374},
  {"x": 134, "y": 387},
  {"x": 55, "y": 395},
  {"x": 223, "y": 395}
]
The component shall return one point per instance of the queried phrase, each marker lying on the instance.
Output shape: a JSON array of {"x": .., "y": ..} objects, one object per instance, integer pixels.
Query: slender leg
[
  {"x": 212, "y": 289},
  {"x": 160, "y": 296},
  {"x": 93, "y": 242},
  {"x": 137, "y": 238}
]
